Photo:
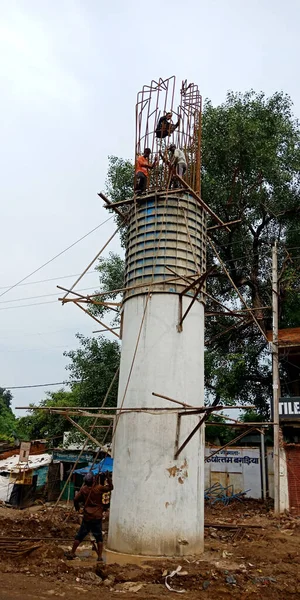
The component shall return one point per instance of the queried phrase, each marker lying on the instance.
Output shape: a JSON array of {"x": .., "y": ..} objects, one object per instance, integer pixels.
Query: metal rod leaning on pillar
[
  {"x": 183, "y": 277},
  {"x": 111, "y": 205},
  {"x": 225, "y": 224},
  {"x": 202, "y": 420},
  {"x": 239, "y": 424},
  {"x": 92, "y": 261},
  {"x": 183, "y": 316},
  {"x": 239, "y": 437},
  {"x": 201, "y": 202},
  {"x": 126, "y": 289},
  {"x": 235, "y": 287},
  {"x": 218, "y": 302},
  {"x": 197, "y": 281},
  {"x": 90, "y": 437},
  {"x": 97, "y": 320},
  {"x": 200, "y": 283},
  {"x": 81, "y": 413},
  {"x": 172, "y": 400}
]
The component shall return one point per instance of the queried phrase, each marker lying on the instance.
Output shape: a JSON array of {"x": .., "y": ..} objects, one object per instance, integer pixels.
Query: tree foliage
[
  {"x": 7, "y": 418},
  {"x": 40, "y": 424},
  {"x": 251, "y": 167},
  {"x": 250, "y": 171},
  {"x": 93, "y": 365},
  {"x": 119, "y": 186},
  {"x": 5, "y": 397},
  {"x": 111, "y": 277}
]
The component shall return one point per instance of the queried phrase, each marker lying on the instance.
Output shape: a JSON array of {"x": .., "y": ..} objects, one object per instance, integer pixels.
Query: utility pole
[{"x": 276, "y": 385}]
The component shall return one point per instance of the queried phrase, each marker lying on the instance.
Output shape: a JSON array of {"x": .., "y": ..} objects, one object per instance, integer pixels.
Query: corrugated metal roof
[{"x": 12, "y": 463}]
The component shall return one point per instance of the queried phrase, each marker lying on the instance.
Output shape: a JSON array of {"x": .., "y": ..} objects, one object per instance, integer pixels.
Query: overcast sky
[{"x": 69, "y": 74}]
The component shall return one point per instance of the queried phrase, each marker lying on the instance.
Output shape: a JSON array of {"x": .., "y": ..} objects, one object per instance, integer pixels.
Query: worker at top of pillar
[
  {"x": 177, "y": 160},
  {"x": 142, "y": 167},
  {"x": 165, "y": 127},
  {"x": 91, "y": 496}
]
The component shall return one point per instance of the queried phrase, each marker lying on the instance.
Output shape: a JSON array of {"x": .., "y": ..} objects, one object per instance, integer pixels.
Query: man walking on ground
[
  {"x": 91, "y": 496},
  {"x": 142, "y": 167}
]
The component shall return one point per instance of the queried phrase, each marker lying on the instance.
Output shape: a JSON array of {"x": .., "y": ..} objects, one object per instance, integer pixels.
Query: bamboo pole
[{"x": 92, "y": 261}]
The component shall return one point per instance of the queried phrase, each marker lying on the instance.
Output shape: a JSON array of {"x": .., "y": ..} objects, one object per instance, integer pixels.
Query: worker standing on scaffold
[
  {"x": 165, "y": 127},
  {"x": 177, "y": 164},
  {"x": 142, "y": 167},
  {"x": 178, "y": 160}
]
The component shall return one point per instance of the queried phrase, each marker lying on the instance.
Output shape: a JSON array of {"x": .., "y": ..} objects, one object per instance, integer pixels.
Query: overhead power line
[
  {"x": 26, "y": 305},
  {"x": 41, "y": 296},
  {"x": 54, "y": 257},
  {"x": 36, "y": 385},
  {"x": 59, "y": 277}
]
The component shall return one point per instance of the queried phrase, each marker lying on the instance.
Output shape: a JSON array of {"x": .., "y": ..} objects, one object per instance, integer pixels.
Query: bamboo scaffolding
[
  {"x": 92, "y": 261},
  {"x": 235, "y": 287}
]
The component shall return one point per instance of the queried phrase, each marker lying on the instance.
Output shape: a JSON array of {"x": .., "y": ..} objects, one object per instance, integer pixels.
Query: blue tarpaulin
[{"x": 106, "y": 464}]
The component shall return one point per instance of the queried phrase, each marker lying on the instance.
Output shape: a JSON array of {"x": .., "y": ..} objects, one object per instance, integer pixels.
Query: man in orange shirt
[{"x": 142, "y": 167}]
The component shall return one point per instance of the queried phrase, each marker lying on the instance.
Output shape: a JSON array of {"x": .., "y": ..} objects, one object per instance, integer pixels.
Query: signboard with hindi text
[
  {"x": 289, "y": 409},
  {"x": 236, "y": 466}
]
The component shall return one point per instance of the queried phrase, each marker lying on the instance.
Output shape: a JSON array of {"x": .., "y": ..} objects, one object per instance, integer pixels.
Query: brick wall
[{"x": 293, "y": 470}]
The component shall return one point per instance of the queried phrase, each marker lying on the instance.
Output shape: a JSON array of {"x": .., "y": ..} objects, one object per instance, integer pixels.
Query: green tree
[
  {"x": 42, "y": 424},
  {"x": 93, "y": 366},
  {"x": 111, "y": 277},
  {"x": 251, "y": 167},
  {"x": 119, "y": 186},
  {"x": 250, "y": 171},
  {"x": 216, "y": 434},
  {"x": 7, "y": 417},
  {"x": 6, "y": 397}
]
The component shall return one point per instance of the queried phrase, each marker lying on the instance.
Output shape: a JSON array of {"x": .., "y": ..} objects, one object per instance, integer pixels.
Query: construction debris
[{"x": 266, "y": 558}]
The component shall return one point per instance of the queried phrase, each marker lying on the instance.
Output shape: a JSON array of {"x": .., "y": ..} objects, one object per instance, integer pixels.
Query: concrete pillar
[{"x": 158, "y": 502}]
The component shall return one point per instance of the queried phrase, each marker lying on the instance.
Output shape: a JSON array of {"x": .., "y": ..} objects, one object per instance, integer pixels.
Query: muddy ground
[{"x": 245, "y": 563}]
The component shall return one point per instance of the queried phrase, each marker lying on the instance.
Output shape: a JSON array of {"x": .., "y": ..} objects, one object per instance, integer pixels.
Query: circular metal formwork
[{"x": 165, "y": 231}]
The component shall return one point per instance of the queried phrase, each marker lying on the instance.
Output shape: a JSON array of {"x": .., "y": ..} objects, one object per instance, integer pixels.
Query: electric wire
[
  {"x": 5, "y": 287},
  {"x": 54, "y": 257}
]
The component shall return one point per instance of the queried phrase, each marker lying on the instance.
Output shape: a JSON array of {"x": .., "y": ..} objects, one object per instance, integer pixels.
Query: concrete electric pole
[{"x": 276, "y": 385}]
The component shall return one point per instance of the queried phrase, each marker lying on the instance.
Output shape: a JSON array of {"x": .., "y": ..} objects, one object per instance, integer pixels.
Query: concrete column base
[{"x": 121, "y": 558}]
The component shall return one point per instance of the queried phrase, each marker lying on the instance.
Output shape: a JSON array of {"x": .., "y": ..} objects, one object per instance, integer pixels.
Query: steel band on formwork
[{"x": 160, "y": 235}]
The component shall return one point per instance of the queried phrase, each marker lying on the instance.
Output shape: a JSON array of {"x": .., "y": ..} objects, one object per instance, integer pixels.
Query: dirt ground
[{"x": 247, "y": 563}]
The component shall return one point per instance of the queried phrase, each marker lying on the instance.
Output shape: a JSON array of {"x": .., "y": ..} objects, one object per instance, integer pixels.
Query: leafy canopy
[{"x": 250, "y": 171}]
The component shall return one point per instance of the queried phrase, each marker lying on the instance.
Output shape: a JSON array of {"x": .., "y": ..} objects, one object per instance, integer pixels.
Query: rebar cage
[{"x": 153, "y": 102}]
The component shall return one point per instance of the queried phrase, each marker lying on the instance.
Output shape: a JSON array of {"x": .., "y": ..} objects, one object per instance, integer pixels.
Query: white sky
[{"x": 69, "y": 74}]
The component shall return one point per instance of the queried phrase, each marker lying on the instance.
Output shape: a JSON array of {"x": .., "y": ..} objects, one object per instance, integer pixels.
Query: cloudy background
[{"x": 69, "y": 74}]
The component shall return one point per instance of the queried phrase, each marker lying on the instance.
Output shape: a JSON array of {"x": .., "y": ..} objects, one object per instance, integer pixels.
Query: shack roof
[
  {"x": 34, "y": 462},
  {"x": 287, "y": 338}
]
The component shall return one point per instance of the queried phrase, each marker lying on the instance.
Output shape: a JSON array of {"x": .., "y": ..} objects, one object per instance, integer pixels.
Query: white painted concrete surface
[
  {"x": 157, "y": 504},
  {"x": 283, "y": 479}
]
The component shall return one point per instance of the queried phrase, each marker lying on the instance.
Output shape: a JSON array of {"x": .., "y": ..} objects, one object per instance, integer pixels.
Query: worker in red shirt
[{"x": 142, "y": 167}]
